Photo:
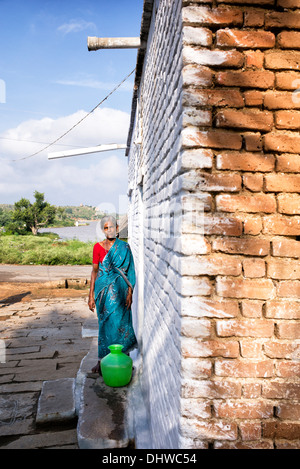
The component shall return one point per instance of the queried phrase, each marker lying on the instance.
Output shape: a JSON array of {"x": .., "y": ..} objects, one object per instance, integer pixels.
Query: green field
[{"x": 44, "y": 249}]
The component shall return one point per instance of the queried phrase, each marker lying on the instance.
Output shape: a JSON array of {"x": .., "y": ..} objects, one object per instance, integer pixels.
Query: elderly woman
[{"x": 112, "y": 283}]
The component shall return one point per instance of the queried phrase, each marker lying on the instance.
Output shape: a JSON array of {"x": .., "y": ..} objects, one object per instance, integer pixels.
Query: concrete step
[
  {"x": 102, "y": 419},
  {"x": 106, "y": 417},
  {"x": 57, "y": 402}
]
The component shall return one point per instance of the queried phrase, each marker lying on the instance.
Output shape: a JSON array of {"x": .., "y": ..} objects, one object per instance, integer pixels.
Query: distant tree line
[{"x": 26, "y": 217}]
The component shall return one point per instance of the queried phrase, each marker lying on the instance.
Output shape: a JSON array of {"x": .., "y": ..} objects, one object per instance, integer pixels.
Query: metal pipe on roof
[
  {"x": 95, "y": 43},
  {"x": 84, "y": 151}
]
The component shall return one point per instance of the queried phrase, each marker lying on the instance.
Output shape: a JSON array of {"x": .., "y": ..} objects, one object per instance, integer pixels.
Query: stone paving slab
[
  {"x": 57, "y": 401},
  {"x": 43, "y": 344}
]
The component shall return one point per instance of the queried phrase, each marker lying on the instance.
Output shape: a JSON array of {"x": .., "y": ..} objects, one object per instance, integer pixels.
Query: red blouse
[{"x": 98, "y": 253}]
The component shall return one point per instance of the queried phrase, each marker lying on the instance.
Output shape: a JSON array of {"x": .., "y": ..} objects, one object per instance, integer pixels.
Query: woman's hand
[
  {"x": 128, "y": 301},
  {"x": 92, "y": 304}
]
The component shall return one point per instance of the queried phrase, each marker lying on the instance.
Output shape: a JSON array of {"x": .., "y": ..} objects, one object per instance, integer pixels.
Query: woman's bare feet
[{"x": 97, "y": 368}]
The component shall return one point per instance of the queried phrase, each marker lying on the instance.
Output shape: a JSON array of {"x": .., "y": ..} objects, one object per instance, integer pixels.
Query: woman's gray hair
[{"x": 106, "y": 219}]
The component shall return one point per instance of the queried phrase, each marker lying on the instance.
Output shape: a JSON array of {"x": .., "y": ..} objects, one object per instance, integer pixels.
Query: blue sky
[{"x": 48, "y": 81}]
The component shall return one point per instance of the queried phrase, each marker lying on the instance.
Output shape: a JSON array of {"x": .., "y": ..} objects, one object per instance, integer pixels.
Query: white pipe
[
  {"x": 95, "y": 43},
  {"x": 83, "y": 151}
]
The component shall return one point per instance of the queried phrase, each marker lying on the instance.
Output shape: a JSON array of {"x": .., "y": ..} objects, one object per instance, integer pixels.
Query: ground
[{"x": 41, "y": 339}]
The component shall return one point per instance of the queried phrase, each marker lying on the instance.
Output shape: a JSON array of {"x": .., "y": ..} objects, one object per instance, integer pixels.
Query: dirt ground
[{"x": 25, "y": 292}]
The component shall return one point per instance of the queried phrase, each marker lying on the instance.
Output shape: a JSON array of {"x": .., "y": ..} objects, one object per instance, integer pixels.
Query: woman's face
[{"x": 109, "y": 230}]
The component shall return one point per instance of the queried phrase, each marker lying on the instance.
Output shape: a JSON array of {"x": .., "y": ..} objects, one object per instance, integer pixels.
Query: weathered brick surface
[{"x": 224, "y": 129}]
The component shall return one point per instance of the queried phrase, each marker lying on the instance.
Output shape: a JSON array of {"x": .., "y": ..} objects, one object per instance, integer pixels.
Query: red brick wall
[{"x": 241, "y": 352}]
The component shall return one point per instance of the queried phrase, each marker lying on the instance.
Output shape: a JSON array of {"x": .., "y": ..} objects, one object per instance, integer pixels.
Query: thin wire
[
  {"x": 33, "y": 141},
  {"x": 79, "y": 122}
]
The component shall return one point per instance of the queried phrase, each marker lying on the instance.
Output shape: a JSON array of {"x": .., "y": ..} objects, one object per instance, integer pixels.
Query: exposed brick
[
  {"x": 281, "y": 100},
  {"x": 219, "y": 58},
  {"x": 244, "y": 161},
  {"x": 217, "y": 430},
  {"x": 286, "y": 410},
  {"x": 252, "y": 226},
  {"x": 253, "y": 98},
  {"x": 244, "y": 369},
  {"x": 246, "y": 203},
  {"x": 281, "y": 225},
  {"x": 245, "y": 119},
  {"x": 289, "y": 39},
  {"x": 192, "y": 137},
  {"x": 279, "y": 349},
  {"x": 254, "y": 59},
  {"x": 283, "y": 20},
  {"x": 279, "y": 60},
  {"x": 245, "y": 288},
  {"x": 251, "y": 390},
  {"x": 284, "y": 269},
  {"x": 251, "y": 348},
  {"x": 254, "y": 18},
  {"x": 253, "y": 141},
  {"x": 252, "y": 308},
  {"x": 283, "y": 142},
  {"x": 211, "y": 265},
  {"x": 283, "y": 309},
  {"x": 248, "y": 246},
  {"x": 274, "y": 430},
  {"x": 243, "y": 409},
  {"x": 192, "y": 327},
  {"x": 287, "y": 80},
  {"x": 246, "y": 78},
  {"x": 289, "y": 204},
  {"x": 213, "y": 97},
  {"x": 287, "y": 120},
  {"x": 211, "y": 389},
  {"x": 196, "y": 408},
  {"x": 286, "y": 247},
  {"x": 253, "y": 182},
  {"x": 207, "y": 16},
  {"x": 217, "y": 225},
  {"x": 289, "y": 3},
  {"x": 289, "y": 289},
  {"x": 197, "y": 180},
  {"x": 196, "y": 75},
  {"x": 249, "y": 2},
  {"x": 192, "y": 116},
  {"x": 289, "y": 370},
  {"x": 204, "y": 307},
  {"x": 288, "y": 163},
  {"x": 194, "y": 368},
  {"x": 197, "y": 36},
  {"x": 209, "y": 348},
  {"x": 289, "y": 331},
  {"x": 254, "y": 268},
  {"x": 276, "y": 390},
  {"x": 196, "y": 159},
  {"x": 245, "y": 328},
  {"x": 282, "y": 182},
  {"x": 250, "y": 430},
  {"x": 245, "y": 39}
]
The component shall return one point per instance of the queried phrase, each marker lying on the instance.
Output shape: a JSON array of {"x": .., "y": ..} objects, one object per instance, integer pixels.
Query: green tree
[
  {"x": 30, "y": 217},
  {"x": 5, "y": 217}
]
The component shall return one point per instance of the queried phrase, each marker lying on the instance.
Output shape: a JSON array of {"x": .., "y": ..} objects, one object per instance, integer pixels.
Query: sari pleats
[{"x": 115, "y": 275}]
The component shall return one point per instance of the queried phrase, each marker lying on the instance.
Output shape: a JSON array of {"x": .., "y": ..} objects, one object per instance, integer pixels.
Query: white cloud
[
  {"x": 96, "y": 84},
  {"x": 75, "y": 26},
  {"x": 94, "y": 179}
]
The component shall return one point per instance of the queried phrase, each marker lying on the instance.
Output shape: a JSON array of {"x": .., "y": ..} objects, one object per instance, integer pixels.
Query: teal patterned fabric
[{"x": 115, "y": 274}]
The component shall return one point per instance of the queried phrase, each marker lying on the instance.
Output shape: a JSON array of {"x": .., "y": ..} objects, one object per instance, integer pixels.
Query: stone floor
[{"x": 40, "y": 339}]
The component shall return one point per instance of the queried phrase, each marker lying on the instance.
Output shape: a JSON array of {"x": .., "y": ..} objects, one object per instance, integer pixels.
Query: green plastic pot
[{"x": 116, "y": 367}]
